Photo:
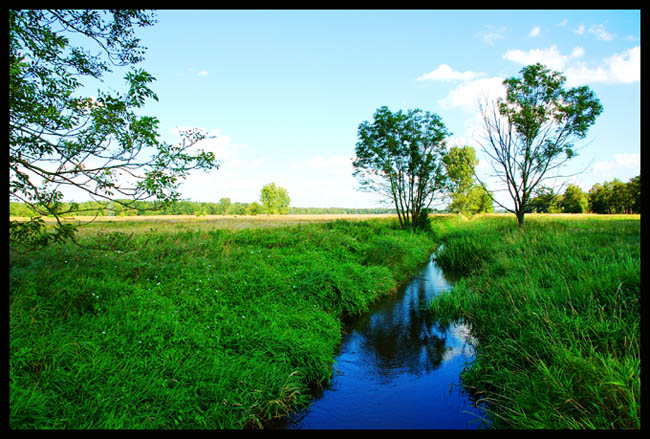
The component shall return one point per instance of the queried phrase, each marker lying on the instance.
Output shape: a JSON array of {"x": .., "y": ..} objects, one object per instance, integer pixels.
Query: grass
[
  {"x": 191, "y": 325},
  {"x": 556, "y": 312}
]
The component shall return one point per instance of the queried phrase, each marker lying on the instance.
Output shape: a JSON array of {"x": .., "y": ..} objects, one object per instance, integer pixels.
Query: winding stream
[{"x": 398, "y": 368}]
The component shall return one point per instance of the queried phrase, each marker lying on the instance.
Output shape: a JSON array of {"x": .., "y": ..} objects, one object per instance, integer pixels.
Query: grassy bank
[
  {"x": 191, "y": 326},
  {"x": 556, "y": 311}
]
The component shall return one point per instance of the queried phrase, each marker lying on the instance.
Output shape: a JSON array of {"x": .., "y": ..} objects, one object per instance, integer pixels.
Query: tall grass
[
  {"x": 556, "y": 312},
  {"x": 191, "y": 327}
]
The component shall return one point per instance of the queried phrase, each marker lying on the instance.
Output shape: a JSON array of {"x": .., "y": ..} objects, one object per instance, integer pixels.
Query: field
[
  {"x": 224, "y": 322},
  {"x": 193, "y": 324}
]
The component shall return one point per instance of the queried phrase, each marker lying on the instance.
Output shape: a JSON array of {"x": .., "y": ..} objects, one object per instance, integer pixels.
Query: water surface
[{"x": 398, "y": 368}]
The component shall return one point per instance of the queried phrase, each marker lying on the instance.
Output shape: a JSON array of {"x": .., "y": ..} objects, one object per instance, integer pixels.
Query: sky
[{"x": 284, "y": 91}]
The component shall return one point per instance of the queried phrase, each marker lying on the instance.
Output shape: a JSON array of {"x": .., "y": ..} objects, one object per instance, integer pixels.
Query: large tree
[
  {"x": 275, "y": 199},
  {"x": 61, "y": 136},
  {"x": 532, "y": 132},
  {"x": 399, "y": 157}
]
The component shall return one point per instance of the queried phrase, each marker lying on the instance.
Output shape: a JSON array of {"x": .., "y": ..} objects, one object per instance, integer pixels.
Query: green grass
[
  {"x": 191, "y": 326},
  {"x": 556, "y": 312}
]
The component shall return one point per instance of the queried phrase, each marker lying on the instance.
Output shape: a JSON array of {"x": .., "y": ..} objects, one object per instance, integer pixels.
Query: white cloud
[
  {"x": 622, "y": 67},
  {"x": 202, "y": 73},
  {"x": 563, "y": 23},
  {"x": 446, "y": 73},
  {"x": 600, "y": 32},
  {"x": 580, "y": 29},
  {"x": 621, "y": 161},
  {"x": 466, "y": 95},
  {"x": 535, "y": 31},
  {"x": 550, "y": 57}
]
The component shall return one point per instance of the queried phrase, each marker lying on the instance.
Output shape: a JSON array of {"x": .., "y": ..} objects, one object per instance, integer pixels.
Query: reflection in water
[{"x": 398, "y": 368}]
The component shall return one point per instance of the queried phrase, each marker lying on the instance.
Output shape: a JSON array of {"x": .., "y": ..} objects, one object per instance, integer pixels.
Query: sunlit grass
[
  {"x": 556, "y": 311},
  {"x": 191, "y": 324}
]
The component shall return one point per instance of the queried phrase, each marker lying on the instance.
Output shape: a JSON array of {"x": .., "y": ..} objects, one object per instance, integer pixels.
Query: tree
[
  {"x": 399, "y": 157},
  {"x": 254, "y": 208},
  {"x": 98, "y": 144},
  {"x": 574, "y": 200},
  {"x": 533, "y": 131},
  {"x": 467, "y": 197},
  {"x": 275, "y": 199}
]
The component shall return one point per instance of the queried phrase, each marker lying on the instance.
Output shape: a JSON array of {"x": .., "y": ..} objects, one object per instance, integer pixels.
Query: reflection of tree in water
[{"x": 404, "y": 337}]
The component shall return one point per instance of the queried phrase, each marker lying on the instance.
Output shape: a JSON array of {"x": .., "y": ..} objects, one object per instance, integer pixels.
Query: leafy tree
[
  {"x": 534, "y": 129},
  {"x": 467, "y": 197},
  {"x": 574, "y": 200},
  {"x": 254, "y": 208},
  {"x": 543, "y": 200},
  {"x": 275, "y": 199},
  {"x": 399, "y": 157},
  {"x": 223, "y": 208},
  {"x": 634, "y": 194},
  {"x": 99, "y": 144},
  {"x": 599, "y": 199}
]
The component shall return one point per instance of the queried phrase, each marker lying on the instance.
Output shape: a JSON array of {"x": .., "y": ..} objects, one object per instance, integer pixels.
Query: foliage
[
  {"x": 188, "y": 326},
  {"x": 534, "y": 129},
  {"x": 275, "y": 199},
  {"x": 399, "y": 156},
  {"x": 98, "y": 144},
  {"x": 616, "y": 197},
  {"x": 557, "y": 318},
  {"x": 467, "y": 196}
]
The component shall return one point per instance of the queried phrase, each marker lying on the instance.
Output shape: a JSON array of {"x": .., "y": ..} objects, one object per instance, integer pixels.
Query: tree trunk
[{"x": 520, "y": 219}]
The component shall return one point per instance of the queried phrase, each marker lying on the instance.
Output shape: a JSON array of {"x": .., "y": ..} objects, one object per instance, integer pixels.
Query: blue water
[{"x": 398, "y": 368}]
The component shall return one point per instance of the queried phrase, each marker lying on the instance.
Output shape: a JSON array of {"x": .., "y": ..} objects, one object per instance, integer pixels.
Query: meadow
[
  {"x": 208, "y": 323},
  {"x": 192, "y": 324},
  {"x": 556, "y": 312}
]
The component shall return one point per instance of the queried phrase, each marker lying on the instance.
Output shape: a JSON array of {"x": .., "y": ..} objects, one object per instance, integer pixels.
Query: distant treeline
[
  {"x": 184, "y": 207},
  {"x": 609, "y": 197}
]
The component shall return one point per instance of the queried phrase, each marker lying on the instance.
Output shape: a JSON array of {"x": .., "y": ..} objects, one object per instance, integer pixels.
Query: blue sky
[{"x": 285, "y": 90}]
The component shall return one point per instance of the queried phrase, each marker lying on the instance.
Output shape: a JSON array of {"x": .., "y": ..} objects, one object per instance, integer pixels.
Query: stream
[{"x": 398, "y": 368}]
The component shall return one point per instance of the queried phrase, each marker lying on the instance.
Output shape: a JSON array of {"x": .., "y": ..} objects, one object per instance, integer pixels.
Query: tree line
[
  {"x": 185, "y": 207},
  {"x": 609, "y": 197}
]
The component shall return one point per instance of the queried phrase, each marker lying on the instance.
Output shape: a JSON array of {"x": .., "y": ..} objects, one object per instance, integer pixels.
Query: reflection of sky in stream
[{"x": 398, "y": 368}]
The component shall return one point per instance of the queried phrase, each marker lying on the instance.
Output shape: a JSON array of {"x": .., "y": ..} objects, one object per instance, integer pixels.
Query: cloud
[
  {"x": 467, "y": 94},
  {"x": 550, "y": 57},
  {"x": 446, "y": 73},
  {"x": 580, "y": 29},
  {"x": 600, "y": 32},
  {"x": 563, "y": 23},
  {"x": 620, "y": 68},
  {"x": 202, "y": 73},
  {"x": 621, "y": 161},
  {"x": 624, "y": 67},
  {"x": 491, "y": 33},
  {"x": 534, "y": 32}
]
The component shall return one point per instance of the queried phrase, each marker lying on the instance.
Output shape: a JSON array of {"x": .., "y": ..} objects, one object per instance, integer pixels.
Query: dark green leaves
[{"x": 399, "y": 156}]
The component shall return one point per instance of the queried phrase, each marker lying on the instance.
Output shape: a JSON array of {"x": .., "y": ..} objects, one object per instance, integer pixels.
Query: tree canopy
[
  {"x": 275, "y": 199},
  {"x": 399, "y": 157},
  {"x": 61, "y": 138}
]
